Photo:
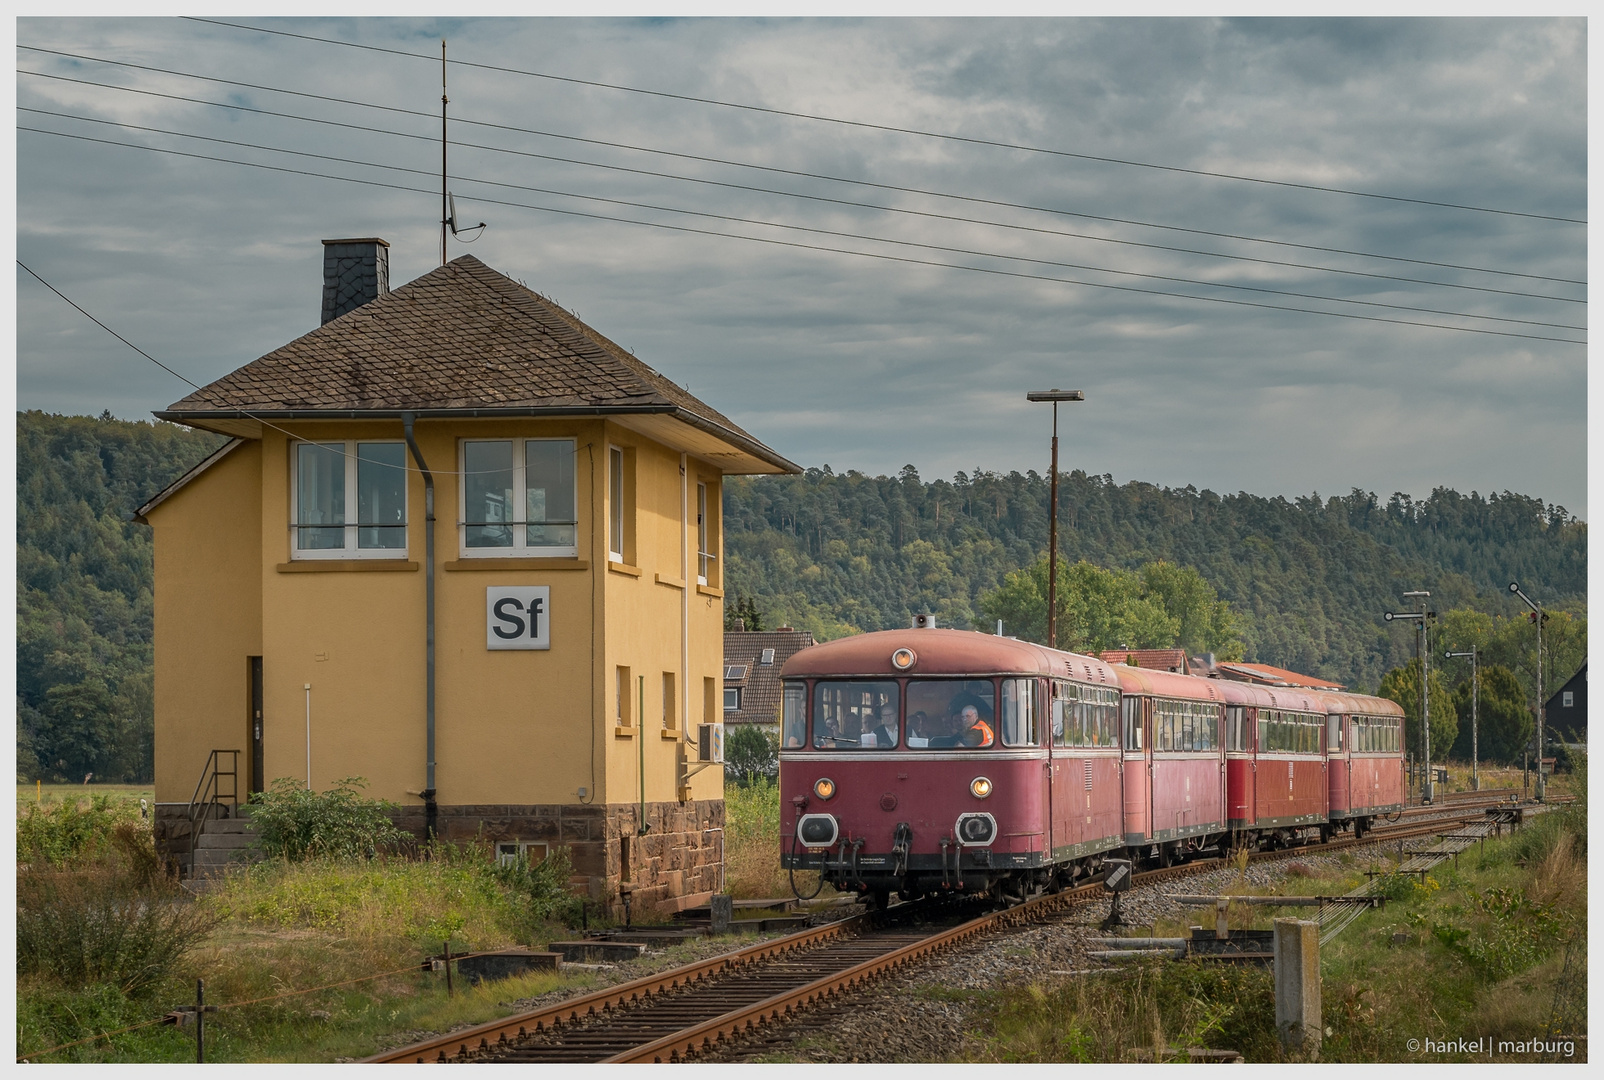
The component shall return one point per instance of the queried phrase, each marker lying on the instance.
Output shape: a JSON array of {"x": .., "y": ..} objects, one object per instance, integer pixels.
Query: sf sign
[{"x": 518, "y": 617}]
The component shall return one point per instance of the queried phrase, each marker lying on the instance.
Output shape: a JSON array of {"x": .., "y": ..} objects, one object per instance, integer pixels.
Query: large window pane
[
  {"x": 856, "y": 715},
  {"x": 381, "y": 493},
  {"x": 1019, "y": 712},
  {"x": 320, "y": 469},
  {"x": 487, "y": 494},
  {"x": 951, "y": 713},
  {"x": 794, "y": 713},
  {"x": 549, "y": 492}
]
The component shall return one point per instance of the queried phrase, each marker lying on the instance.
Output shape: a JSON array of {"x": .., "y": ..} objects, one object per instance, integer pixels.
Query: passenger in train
[
  {"x": 885, "y": 735},
  {"x": 919, "y": 730}
]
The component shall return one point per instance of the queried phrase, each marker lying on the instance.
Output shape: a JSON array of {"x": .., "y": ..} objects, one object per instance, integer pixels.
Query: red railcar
[
  {"x": 1365, "y": 748},
  {"x": 920, "y": 760},
  {"x": 1276, "y": 773},
  {"x": 1174, "y": 769}
]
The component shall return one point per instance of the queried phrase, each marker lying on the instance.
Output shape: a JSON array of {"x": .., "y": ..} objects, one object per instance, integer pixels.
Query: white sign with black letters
[{"x": 518, "y": 617}]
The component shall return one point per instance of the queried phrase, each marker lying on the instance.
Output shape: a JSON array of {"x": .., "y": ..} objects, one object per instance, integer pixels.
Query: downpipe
[{"x": 431, "y": 809}]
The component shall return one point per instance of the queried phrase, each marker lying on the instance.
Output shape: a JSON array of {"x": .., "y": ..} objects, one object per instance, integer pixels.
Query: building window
[
  {"x": 705, "y": 539},
  {"x": 621, "y": 505},
  {"x": 623, "y": 697},
  {"x": 518, "y": 498},
  {"x": 732, "y": 699},
  {"x": 1567, "y": 699},
  {"x": 350, "y": 500},
  {"x": 767, "y": 659},
  {"x": 670, "y": 703},
  {"x": 508, "y": 852},
  {"x": 734, "y": 671}
]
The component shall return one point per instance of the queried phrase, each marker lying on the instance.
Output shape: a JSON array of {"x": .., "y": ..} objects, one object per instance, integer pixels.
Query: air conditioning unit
[
  {"x": 924, "y": 622},
  {"x": 710, "y": 742}
]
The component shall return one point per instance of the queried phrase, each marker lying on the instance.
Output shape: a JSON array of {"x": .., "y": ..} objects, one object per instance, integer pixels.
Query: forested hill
[
  {"x": 1310, "y": 577},
  {"x": 84, "y": 695},
  {"x": 826, "y": 552}
]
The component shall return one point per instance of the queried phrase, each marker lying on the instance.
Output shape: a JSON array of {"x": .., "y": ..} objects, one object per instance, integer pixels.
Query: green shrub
[
  {"x": 69, "y": 834},
  {"x": 80, "y": 927},
  {"x": 751, "y": 754},
  {"x": 540, "y": 889},
  {"x": 294, "y": 823}
]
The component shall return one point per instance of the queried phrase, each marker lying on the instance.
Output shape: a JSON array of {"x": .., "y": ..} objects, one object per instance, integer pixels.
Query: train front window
[
  {"x": 951, "y": 713},
  {"x": 1018, "y": 712},
  {"x": 855, "y": 715},
  {"x": 794, "y": 714}
]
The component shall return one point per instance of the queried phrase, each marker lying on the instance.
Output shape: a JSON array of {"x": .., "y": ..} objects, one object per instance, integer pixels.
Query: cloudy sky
[{"x": 1159, "y": 227}]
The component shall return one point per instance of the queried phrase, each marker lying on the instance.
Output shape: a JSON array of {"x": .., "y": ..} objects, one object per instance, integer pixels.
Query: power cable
[
  {"x": 815, "y": 247},
  {"x": 772, "y": 169},
  {"x": 817, "y": 231},
  {"x": 904, "y": 130},
  {"x": 813, "y": 198}
]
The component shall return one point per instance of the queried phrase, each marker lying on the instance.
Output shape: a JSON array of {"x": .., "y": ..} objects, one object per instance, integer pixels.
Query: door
[{"x": 257, "y": 768}]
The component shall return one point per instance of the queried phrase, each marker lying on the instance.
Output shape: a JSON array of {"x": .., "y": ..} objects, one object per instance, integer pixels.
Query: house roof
[
  {"x": 1273, "y": 676},
  {"x": 1156, "y": 659},
  {"x": 759, "y": 682},
  {"x": 464, "y": 340}
]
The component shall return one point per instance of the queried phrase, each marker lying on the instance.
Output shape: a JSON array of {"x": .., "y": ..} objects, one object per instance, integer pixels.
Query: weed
[{"x": 292, "y": 822}]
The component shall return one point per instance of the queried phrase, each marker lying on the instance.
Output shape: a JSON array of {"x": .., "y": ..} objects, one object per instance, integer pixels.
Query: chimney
[{"x": 354, "y": 272}]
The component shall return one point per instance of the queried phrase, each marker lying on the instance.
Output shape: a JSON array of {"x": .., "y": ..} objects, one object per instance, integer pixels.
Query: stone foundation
[{"x": 678, "y": 863}]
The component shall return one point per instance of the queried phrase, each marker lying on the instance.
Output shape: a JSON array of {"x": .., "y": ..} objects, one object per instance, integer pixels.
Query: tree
[
  {"x": 1403, "y": 686},
  {"x": 1504, "y": 722},
  {"x": 751, "y": 753},
  {"x": 745, "y": 609}
]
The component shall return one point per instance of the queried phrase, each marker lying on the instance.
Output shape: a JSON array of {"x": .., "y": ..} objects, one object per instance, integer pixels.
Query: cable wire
[
  {"x": 767, "y": 168},
  {"x": 815, "y": 247},
  {"x": 833, "y": 232},
  {"x": 995, "y": 143}
]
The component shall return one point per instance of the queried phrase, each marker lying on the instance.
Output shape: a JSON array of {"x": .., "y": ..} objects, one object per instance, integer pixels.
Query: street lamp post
[
  {"x": 1537, "y": 617},
  {"x": 1422, "y": 616},
  {"x": 1055, "y": 396},
  {"x": 1475, "y": 774}
]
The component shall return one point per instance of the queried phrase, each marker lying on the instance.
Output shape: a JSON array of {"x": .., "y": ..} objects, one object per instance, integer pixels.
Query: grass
[
  {"x": 1480, "y": 955},
  {"x": 50, "y": 795},
  {"x": 752, "y": 846}
]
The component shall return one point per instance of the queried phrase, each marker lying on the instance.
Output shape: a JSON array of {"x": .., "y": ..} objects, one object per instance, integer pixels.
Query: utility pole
[
  {"x": 444, "y": 215},
  {"x": 1055, "y": 396},
  {"x": 1537, "y": 617},
  {"x": 1423, "y": 616},
  {"x": 1475, "y": 773}
]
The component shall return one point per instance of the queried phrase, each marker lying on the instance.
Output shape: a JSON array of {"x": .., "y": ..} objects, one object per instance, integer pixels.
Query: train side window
[
  {"x": 794, "y": 711},
  {"x": 1060, "y": 689},
  {"x": 1019, "y": 712},
  {"x": 1133, "y": 723}
]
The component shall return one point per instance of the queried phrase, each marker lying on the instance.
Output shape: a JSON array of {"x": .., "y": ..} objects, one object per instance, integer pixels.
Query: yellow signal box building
[{"x": 467, "y": 548}]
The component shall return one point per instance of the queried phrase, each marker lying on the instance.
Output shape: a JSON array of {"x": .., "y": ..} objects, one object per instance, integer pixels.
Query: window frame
[
  {"x": 351, "y": 549},
  {"x": 728, "y": 691},
  {"x": 519, "y": 522}
]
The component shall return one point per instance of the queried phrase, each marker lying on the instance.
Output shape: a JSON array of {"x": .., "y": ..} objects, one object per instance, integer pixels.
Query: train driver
[{"x": 974, "y": 731}]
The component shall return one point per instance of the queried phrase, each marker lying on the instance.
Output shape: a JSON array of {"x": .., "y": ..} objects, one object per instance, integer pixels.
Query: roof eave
[{"x": 206, "y": 418}]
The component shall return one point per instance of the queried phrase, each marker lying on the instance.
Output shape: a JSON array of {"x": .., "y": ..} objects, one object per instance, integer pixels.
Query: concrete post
[
  {"x": 722, "y": 907},
  {"x": 1297, "y": 985}
]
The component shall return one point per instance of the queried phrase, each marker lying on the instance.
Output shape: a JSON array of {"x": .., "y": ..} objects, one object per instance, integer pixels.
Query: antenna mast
[{"x": 443, "y": 103}]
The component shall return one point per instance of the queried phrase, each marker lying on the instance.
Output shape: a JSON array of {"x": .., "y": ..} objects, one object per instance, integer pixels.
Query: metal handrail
[{"x": 208, "y": 792}]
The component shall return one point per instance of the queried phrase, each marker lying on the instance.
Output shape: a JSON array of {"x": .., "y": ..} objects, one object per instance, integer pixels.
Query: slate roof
[
  {"x": 760, "y": 683},
  {"x": 461, "y": 339},
  {"x": 1153, "y": 659}
]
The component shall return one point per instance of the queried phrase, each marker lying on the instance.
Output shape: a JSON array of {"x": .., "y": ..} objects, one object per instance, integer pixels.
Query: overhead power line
[
  {"x": 867, "y": 125},
  {"x": 815, "y": 230},
  {"x": 994, "y": 271},
  {"x": 829, "y": 199}
]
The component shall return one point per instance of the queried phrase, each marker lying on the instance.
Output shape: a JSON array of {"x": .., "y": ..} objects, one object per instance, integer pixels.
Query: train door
[
  {"x": 1042, "y": 735},
  {"x": 1138, "y": 795}
]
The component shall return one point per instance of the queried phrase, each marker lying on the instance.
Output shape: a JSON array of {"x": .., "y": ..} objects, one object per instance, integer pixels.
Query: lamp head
[{"x": 1055, "y": 395}]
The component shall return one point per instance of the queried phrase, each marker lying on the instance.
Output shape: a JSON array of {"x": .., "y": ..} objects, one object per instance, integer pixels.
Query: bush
[
  {"x": 752, "y": 753},
  {"x": 69, "y": 834},
  {"x": 102, "y": 926},
  {"x": 294, "y": 823}
]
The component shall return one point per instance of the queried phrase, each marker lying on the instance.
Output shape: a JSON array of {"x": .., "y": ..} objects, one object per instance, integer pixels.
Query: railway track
[{"x": 674, "y": 1015}]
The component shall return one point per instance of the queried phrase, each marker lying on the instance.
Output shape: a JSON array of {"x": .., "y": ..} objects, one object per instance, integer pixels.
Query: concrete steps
[{"x": 224, "y": 842}]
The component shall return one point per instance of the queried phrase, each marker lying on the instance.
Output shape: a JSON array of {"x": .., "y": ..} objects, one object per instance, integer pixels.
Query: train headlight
[
  {"x": 980, "y": 787},
  {"x": 824, "y": 788},
  {"x": 902, "y": 659}
]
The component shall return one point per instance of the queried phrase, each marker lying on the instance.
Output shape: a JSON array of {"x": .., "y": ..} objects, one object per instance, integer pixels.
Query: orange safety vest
[{"x": 985, "y": 732}]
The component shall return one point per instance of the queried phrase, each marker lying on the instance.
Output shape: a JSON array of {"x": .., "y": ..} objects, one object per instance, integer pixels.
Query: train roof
[
  {"x": 1363, "y": 704},
  {"x": 1271, "y": 697},
  {"x": 1136, "y": 680},
  {"x": 943, "y": 652}
]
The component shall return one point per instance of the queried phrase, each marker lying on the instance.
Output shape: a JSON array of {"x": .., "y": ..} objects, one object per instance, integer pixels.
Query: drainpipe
[
  {"x": 431, "y": 809},
  {"x": 640, "y": 737},
  {"x": 684, "y": 612}
]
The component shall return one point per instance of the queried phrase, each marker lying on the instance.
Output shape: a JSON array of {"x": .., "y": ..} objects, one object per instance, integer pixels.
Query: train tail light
[
  {"x": 980, "y": 787},
  {"x": 976, "y": 830},
  {"x": 824, "y": 788},
  {"x": 817, "y": 830}
]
